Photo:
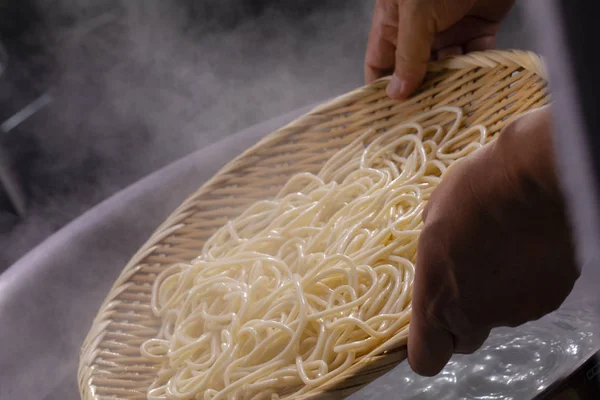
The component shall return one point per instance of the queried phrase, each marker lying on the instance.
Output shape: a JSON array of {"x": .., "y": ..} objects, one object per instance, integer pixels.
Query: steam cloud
[{"x": 138, "y": 84}]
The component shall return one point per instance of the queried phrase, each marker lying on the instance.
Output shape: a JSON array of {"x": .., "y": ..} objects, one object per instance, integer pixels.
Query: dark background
[{"x": 137, "y": 84}]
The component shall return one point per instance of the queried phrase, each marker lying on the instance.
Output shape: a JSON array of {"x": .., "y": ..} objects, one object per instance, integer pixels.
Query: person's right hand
[
  {"x": 406, "y": 34},
  {"x": 496, "y": 247}
]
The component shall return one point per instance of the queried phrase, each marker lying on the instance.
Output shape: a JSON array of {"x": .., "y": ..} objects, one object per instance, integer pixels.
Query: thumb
[
  {"x": 413, "y": 48},
  {"x": 418, "y": 23},
  {"x": 429, "y": 345}
]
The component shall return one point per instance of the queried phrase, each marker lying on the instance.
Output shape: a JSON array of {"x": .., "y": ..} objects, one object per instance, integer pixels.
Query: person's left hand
[{"x": 406, "y": 34}]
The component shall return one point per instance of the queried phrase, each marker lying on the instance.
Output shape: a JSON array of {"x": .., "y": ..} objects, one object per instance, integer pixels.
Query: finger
[
  {"x": 533, "y": 127},
  {"x": 466, "y": 30},
  {"x": 429, "y": 346},
  {"x": 425, "y": 212},
  {"x": 491, "y": 11},
  {"x": 480, "y": 44},
  {"x": 413, "y": 50},
  {"x": 381, "y": 46},
  {"x": 430, "y": 209},
  {"x": 418, "y": 23},
  {"x": 430, "y": 343},
  {"x": 449, "y": 51}
]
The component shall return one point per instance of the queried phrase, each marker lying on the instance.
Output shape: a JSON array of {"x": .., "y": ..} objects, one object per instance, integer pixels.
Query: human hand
[
  {"x": 495, "y": 249},
  {"x": 406, "y": 34}
]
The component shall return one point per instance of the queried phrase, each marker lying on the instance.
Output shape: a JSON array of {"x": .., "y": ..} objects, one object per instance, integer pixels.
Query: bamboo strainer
[{"x": 492, "y": 88}]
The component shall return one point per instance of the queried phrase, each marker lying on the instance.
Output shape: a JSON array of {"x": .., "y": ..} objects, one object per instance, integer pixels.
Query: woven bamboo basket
[{"x": 492, "y": 88}]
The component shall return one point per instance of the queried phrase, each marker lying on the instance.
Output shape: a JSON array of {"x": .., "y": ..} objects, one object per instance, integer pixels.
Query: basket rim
[{"x": 526, "y": 60}]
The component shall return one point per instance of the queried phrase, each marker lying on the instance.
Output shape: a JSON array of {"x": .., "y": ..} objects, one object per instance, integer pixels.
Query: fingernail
[{"x": 394, "y": 88}]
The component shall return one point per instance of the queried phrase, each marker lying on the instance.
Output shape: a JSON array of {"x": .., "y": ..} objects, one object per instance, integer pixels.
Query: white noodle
[{"x": 296, "y": 289}]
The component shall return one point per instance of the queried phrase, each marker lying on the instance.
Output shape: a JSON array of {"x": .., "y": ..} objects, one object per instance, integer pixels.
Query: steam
[{"x": 140, "y": 84}]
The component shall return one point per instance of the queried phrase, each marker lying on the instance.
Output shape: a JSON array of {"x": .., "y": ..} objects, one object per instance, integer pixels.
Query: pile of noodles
[{"x": 298, "y": 288}]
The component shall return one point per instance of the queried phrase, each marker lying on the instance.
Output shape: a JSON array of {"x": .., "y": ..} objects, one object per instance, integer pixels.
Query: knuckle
[
  {"x": 427, "y": 208},
  {"x": 432, "y": 242},
  {"x": 508, "y": 134},
  {"x": 433, "y": 315},
  {"x": 388, "y": 32},
  {"x": 389, "y": 8},
  {"x": 409, "y": 60},
  {"x": 527, "y": 121}
]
